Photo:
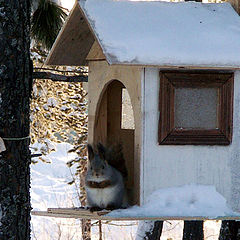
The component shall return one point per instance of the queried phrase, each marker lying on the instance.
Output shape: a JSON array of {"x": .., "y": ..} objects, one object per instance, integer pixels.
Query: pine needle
[{"x": 46, "y": 22}]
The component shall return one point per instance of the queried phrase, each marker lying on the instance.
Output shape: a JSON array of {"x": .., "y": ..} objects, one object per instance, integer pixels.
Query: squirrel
[{"x": 104, "y": 183}]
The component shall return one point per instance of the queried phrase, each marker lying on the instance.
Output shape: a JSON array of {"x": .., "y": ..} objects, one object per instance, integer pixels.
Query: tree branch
[
  {"x": 59, "y": 78},
  {"x": 36, "y": 155},
  {"x": 57, "y": 70}
]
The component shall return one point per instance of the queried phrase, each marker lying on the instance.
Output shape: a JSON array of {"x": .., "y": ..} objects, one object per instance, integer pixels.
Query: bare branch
[
  {"x": 59, "y": 78},
  {"x": 57, "y": 70},
  {"x": 36, "y": 155}
]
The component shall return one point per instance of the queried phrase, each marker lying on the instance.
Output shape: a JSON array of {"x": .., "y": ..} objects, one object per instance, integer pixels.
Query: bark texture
[
  {"x": 15, "y": 91},
  {"x": 149, "y": 230},
  {"x": 156, "y": 231},
  {"x": 193, "y": 230},
  {"x": 230, "y": 230}
]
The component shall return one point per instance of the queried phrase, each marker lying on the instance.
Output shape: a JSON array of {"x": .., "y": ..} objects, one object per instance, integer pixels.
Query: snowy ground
[{"x": 49, "y": 188}]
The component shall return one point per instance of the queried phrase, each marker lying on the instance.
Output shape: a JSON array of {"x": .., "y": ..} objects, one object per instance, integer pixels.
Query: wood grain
[
  {"x": 102, "y": 215},
  {"x": 73, "y": 42}
]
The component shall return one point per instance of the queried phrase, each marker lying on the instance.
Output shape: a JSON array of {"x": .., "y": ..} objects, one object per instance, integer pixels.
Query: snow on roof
[{"x": 166, "y": 33}]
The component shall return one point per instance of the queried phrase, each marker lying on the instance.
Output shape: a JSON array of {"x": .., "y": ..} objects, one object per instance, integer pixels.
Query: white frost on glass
[
  {"x": 196, "y": 108},
  {"x": 163, "y": 33},
  {"x": 188, "y": 200}
]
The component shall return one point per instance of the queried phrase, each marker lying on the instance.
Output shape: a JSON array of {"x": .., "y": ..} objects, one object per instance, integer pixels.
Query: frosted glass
[{"x": 196, "y": 108}]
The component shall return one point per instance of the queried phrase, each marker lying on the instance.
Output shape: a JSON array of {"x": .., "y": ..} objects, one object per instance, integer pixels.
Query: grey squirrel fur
[{"x": 104, "y": 183}]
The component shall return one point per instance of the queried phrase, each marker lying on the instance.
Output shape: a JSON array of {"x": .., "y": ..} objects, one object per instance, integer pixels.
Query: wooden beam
[
  {"x": 81, "y": 213},
  {"x": 59, "y": 78}
]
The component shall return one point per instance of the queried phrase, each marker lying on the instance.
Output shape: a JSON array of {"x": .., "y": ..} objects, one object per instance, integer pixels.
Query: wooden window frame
[{"x": 169, "y": 135}]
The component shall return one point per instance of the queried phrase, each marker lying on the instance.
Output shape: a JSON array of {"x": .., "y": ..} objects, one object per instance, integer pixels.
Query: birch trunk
[{"x": 149, "y": 230}]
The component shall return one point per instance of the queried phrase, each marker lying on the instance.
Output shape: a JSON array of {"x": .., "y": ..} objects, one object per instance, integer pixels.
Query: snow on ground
[
  {"x": 49, "y": 188},
  {"x": 188, "y": 200},
  {"x": 49, "y": 180}
]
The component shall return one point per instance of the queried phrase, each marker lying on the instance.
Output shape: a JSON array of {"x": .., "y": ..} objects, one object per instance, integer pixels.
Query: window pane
[{"x": 196, "y": 108}]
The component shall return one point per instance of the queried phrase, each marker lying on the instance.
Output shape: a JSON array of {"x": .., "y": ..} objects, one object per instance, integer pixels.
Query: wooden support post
[
  {"x": 230, "y": 230},
  {"x": 193, "y": 230},
  {"x": 100, "y": 230},
  {"x": 86, "y": 229}
]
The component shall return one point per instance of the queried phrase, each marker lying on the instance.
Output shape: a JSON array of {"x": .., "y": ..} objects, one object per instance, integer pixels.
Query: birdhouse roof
[{"x": 154, "y": 33}]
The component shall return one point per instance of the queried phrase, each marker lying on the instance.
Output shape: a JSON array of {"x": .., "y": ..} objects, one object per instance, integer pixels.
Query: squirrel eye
[
  {"x": 91, "y": 167},
  {"x": 102, "y": 167}
]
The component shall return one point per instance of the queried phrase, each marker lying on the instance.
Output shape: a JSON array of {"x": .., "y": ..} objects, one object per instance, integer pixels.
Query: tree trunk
[
  {"x": 230, "y": 230},
  {"x": 15, "y": 91},
  {"x": 193, "y": 230},
  {"x": 149, "y": 230},
  {"x": 156, "y": 232},
  {"x": 86, "y": 229}
]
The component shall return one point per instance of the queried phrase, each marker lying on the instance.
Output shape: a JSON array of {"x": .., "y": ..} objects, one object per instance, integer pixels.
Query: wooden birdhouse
[{"x": 164, "y": 81}]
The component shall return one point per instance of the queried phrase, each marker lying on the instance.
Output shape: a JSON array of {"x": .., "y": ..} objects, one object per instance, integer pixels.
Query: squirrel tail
[{"x": 115, "y": 158}]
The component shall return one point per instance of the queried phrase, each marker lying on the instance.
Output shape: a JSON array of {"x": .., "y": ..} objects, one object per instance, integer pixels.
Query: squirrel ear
[
  {"x": 90, "y": 152},
  {"x": 101, "y": 151}
]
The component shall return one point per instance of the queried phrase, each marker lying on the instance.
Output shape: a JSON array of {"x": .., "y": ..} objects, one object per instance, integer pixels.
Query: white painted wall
[{"x": 168, "y": 166}]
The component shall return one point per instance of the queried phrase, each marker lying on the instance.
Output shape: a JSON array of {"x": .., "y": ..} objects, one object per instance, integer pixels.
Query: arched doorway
[{"x": 114, "y": 123}]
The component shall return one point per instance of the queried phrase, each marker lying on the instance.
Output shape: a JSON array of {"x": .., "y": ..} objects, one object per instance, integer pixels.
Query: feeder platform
[{"x": 81, "y": 213}]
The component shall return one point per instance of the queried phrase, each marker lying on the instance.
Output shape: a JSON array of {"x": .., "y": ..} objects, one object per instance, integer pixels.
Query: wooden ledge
[
  {"x": 81, "y": 213},
  {"x": 70, "y": 213}
]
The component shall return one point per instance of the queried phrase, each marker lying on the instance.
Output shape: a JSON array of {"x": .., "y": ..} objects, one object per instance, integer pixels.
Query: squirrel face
[{"x": 98, "y": 166}]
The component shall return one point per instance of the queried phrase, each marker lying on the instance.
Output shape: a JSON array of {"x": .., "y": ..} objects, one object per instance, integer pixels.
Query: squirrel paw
[
  {"x": 95, "y": 209},
  {"x": 110, "y": 207}
]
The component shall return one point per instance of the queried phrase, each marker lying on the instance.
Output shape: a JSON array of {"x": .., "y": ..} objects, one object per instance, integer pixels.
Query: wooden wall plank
[
  {"x": 101, "y": 121},
  {"x": 95, "y": 53},
  {"x": 100, "y": 76},
  {"x": 73, "y": 42}
]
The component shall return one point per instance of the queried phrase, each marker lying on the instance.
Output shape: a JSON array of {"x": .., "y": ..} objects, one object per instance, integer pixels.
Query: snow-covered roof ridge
[{"x": 165, "y": 33}]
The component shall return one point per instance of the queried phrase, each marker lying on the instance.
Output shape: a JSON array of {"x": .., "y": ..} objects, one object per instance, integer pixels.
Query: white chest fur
[{"x": 102, "y": 197}]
